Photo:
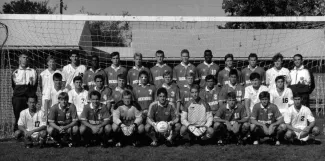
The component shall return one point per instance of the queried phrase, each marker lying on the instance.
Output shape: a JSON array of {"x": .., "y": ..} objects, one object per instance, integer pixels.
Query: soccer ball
[{"x": 162, "y": 127}]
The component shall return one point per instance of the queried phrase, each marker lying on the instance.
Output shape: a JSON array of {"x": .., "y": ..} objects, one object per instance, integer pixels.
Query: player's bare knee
[
  {"x": 50, "y": 130},
  {"x": 82, "y": 129},
  {"x": 315, "y": 131},
  {"x": 178, "y": 127},
  {"x": 252, "y": 127},
  {"x": 210, "y": 131},
  {"x": 108, "y": 128},
  {"x": 282, "y": 127},
  {"x": 288, "y": 135},
  {"x": 43, "y": 134},
  {"x": 183, "y": 130},
  {"x": 18, "y": 134},
  {"x": 148, "y": 128},
  {"x": 115, "y": 127},
  {"x": 141, "y": 129},
  {"x": 216, "y": 125}
]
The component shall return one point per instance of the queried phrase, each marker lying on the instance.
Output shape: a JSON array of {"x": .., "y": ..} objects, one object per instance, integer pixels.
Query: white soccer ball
[{"x": 162, "y": 126}]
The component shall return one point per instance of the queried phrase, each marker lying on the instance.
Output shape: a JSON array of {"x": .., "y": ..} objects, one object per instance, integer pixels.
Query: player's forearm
[
  {"x": 184, "y": 119},
  {"x": 219, "y": 120},
  {"x": 22, "y": 128},
  {"x": 73, "y": 123},
  {"x": 104, "y": 123},
  {"x": 290, "y": 127},
  {"x": 54, "y": 125},
  {"x": 178, "y": 107},
  {"x": 138, "y": 120},
  {"x": 247, "y": 106},
  {"x": 150, "y": 121},
  {"x": 40, "y": 129},
  {"x": 253, "y": 121},
  {"x": 86, "y": 123},
  {"x": 243, "y": 120},
  {"x": 311, "y": 125},
  {"x": 278, "y": 122}
]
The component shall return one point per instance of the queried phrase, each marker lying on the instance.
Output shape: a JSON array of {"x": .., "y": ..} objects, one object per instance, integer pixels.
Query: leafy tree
[
  {"x": 29, "y": 7},
  {"x": 272, "y": 8}
]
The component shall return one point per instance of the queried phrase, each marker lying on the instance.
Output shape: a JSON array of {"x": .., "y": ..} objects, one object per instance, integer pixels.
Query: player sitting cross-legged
[
  {"x": 95, "y": 119},
  {"x": 231, "y": 120},
  {"x": 63, "y": 120},
  {"x": 266, "y": 120},
  {"x": 196, "y": 118},
  {"x": 127, "y": 120},
  {"x": 162, "y": 121},
  {"x": 32, "y": 124},
  {"x": 300, "y": 122}
]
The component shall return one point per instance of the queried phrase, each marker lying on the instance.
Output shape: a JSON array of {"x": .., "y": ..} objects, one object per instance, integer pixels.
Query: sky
[{"x": 142, "y": 7}]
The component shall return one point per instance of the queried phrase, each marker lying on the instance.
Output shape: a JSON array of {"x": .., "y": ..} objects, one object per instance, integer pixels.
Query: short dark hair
[
  {"x": 252, "y": 55},
  {"x": 77, "y": 78},
  {"x": 207, "y": 51},
  {"x": 94, "y": 93},
  {"x": 57, "y": 76},
  {"x": 185, "y": 51},
  {"x": 277, "y": 56},
  {"x": 298, "y": 55},
  {"x": 50, "y": 57},
  {"x": 229, "y": 55},
  {"x": 209, "y": 77},
  {"x": 254, "y": 75},
  {"x": 23, "y": 53},
  {"x": 99, "y": 76},
  {"x": 121, "y": 76},
  {"x": 279, "y": 77},
  {"x": 75, "y": 52},
  {"x": 115, "y": 53},
  {"x": 127, "y": 93},
  {"x": 296, "y": 94},
  {"x": 137, "y": 54},
  {"x": 143, "y": 72},
  {"x": 190, "y": 74},
  {"x": 63, "y": 95},
  {"x": 162, "y": 90},
  {"x": 233, "y": 72},
  {"x": 32, "y": 96},
  {"x": 231, "y": 95},
  {"x": 160, "y": 52},
  {"x": 167, "y": 73},
  {"x": 264, "y": 94},
  {"x": 94, "y": 56},
  {"x": 195, "y": 86}
]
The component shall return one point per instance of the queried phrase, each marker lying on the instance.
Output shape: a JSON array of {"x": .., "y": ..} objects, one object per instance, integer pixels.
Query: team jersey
[
  {"x": 158, "y": 72},
  {"x": 181, "y": 70},
  {"x": 238, "y": 89},
  {"x": 144, "y": 95},
  {"x": 300, "y": 76},
  {"x": 185, "y": 94},
  {"x": 117, "y": 94},
  {"x": 272, "y": 73},
  {"x": 127, "y": 114},
  {"x": 252, "y": 95},
  {"x": 112, "y": 73},
  {"x": 212, "y": 97},
  {"x": 266, "y": 115},
  {"x": 158, "y": 112},
  {"x": 89, "y": 76},
  {"x": 223, "y": 76},
  {"x": 197, "y": 114},
  {"x": 231, "y": 115},
  {"x": 298, "y": 119},
  {"x": 173, "y": 93},
  {"x": 63, "y": 116},
  {"x": 246, "y": 72},
  {"x": 47, "y": 79},
  {"x": 281, "y": 101},
  {"x": 24, "y": 81},
  {"x": 95, "y": 116},
  {"x": 52, "y": 95},
  {"x": 205, "y": 69},
  {"x": 31, "y": 122},
  {"x": 105, "y": 94},
  {"x": 78, "y": 99},
  {"x": 133, "y": 76},
  {"x": 69, "y": 72}
]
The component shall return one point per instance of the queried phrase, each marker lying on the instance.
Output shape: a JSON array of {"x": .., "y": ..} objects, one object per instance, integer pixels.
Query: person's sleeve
[
  {"x": 290, "y": 97},
  {"x": 175, "y": 74},
  {"x": 223, "y": 93},
  {"x": 178, "y": 97},
  {"x": 184, "y": 119},
  {"x": 312, "y": 81},
  {"x": 288, "y": 77},
  {"x": 267, "y": 77},
  {"x": 246, "y": 95},
  {"x": 196, "y": 72},
  {"x": 70, "y": 97},
  {"x": 21, "y": 120},
  {"x": 85, "y": 78},
  {"x": 307, "y": 77},
  {"x": 263, "y": 76},
  {"x": 209, "y": 116},
  {"x": 239, "y": 76},
  {"x": 106, "y": 114},
  {"x": 47, "y": 95},
  {"x": 255, "y": 112},
  {"x": 310, "y": 116},
  {"x": 51, "y": 117},
  {"x": 13, "y": 84},
  {"x": 43, "y": 119},
  {"x": 243, "y": 112},
  {"x": 174, "y": 113},
  {"x": 287, "y": 117},
  {"x": 84, "y": 114},
  {"x": 271, "y": 96},
  {"x": 116, "y": 116},
  {"x": 64, "y": 74},
  {"x": 138, "y": 116},
  {"x": 220, "y": 78},
  {"x": 128, "y": 79},
  {"x": 151, "y": 113}
]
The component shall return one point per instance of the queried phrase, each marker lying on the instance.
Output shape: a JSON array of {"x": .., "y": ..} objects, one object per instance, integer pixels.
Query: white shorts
[{"x": 302, "y": 139}]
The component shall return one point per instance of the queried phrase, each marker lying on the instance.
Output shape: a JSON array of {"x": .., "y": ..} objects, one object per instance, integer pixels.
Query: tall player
[
  {"x": 223, "y": 75},
  {"x": 24, "y": 83},
  {"x": 185, "y": 91},
  {"x": 277, "y": 70},
  {"x": 114, "y": 70},
  {"x": 78, "y": 96},
  {"x": 281, "y": 96},
  {"x": 133, "y": 74},
  {"x": 173, "y": 93},
  {"x": 72, "y": 70},
  {"x": 211, "y": 94},
  {"x": 88, "y": 77},
  {"x": 180, "y": 71},
  {"x": 252, "y": 67},
  {"x": 159, "y": 69},
  {"x": 233, "y": 86},
  {"x": 208, "y": 67}
]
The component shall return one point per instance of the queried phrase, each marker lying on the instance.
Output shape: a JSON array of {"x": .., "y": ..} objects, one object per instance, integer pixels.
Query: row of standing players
[{"x": 145, "y": 94}]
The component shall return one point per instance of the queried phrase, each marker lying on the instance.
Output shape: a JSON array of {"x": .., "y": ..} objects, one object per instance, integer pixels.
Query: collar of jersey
[
  {"x": 27, "y": 68},
  {"x": 136, "y": 68},
  {"x": 67, "y": 108},
  {"x": 300, "y": 68},
  {"x": 100, "y": 90},
  {"x": 92, "y": 107},
  {"x": 265, "y": 107},
  {"x": 249, "y": 67},
  {"x": 160, "y": 66},
  {"x": 228, "y": 108},
  {"x": 208, "y": 64},
  {"x": 189, "y": 64},
  {"x": 115, "y": 68},
  {"x": 97, "y": 70},
  {"x": 228, "y": 69},
  {"x": 161, "y": 105},
  {"x": 207, "y": 89},
  {"x": 229, "y": 84}
]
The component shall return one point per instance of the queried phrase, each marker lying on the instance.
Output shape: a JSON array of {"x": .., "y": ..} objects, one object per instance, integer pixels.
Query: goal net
[{"x": 59, "y": 35}]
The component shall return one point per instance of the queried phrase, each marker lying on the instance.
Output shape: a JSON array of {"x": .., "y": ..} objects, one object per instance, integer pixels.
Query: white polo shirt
[
  {"x": 29, "y": 122},
  {"x": 24, "y": 76},
  {"x": 47, "y": 79},
  {"x": 78, "y": 99},
  {"x": 282, "y": 101},
  {"x": 272, "y": 73},
  {"x": 252, "y": 95},
  {"x": 300, "y": 75},
  {"x": 298, "y": 119},
  {"x": 69, "y": 73},
  {"x": 52, "y": 94}
]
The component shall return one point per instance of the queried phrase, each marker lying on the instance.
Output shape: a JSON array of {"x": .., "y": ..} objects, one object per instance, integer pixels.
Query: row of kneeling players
[{"x": 163, "y": 124}]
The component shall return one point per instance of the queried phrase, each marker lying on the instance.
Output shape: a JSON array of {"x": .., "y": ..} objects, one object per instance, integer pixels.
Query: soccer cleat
[
  {"x": 119, "y": 144},
  {"x": 154, "y": 144},
  {"x": 220, "y": 143},
  {"x": 136, "y": 144},
  {"x": 103, "y": 145},
  {"x": 277, "y": 143},
  {"x": 59, "y": 145},
  {"x": 240, "y": 142},
  {"x": 255, "y": 142},
  {"x": 170, "y": 143}
]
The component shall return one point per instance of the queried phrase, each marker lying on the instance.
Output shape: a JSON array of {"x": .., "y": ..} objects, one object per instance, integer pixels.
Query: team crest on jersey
[
  {"x": 67, "y": 115},
  {"x": 150, "y": 91},
  {"x": 172, "y": 94},
  {"x": 270, "y": 115},
  {"x": 215, "y": 96}
]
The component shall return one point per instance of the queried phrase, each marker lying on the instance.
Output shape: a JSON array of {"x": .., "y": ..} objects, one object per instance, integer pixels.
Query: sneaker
[
  {"x": 220, "y": 143},
  {"x": 103, "y": 145},
  {"x": 239, "y": 142},
  {"x": 136, "y": 144},
  {"x": 277, "y": 143},
  {"x": 255, "y": 142},
  {"x": 119, "y": 144},
  {"x": 59, "y": 145}
]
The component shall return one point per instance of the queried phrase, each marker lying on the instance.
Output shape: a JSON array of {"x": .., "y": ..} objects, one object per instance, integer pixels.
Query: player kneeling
[
  {"x": 63, "y": 121},
  {"x": 32, "y": 124},
  {"x": 231, "y": 120},
  {"x": 127, "y": 118},
  {"x": 95, "y": 119},
  {"x": 196, "y": 118},
  {"x": 162, "y": 121},
  {"x": 266, "y": 120},
  {"x": 300, "y": 122}
]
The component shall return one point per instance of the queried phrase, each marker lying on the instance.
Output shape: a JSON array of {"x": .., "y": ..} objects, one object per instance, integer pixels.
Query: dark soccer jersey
[
  {"x": 246, "y": 72},
  {"x": 173, "y": 93},
  {"x": 61, "y": 116},
  {"x": 112, "y": 74},
  {"x": 95, "y": 116},
  {"x": 133, "y": 76},
  {"x": 267, "y": 115},
  {"x": 157, "y": 73},
  {"x": 223, "y": 76},
  {"x": 144, "y": 95},
  {"x": 238, "y": 89},
  {"x": 180, "y": 71},
  {"x": 89, "y": 75},
  {"x": 211, "y": 97},
  {"x": 158, "y": 112},
  {"x": 106, "y": 94},
  {"x": 185, "y": 94},
  {"x": 236, "y": 114},
  {"x": 117, "y": 94},
  {"x": 205, "y": 69}
]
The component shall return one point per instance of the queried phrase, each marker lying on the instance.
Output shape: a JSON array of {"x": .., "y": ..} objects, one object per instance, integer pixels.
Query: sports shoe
[
  {"x": 119, "y": 144},
  {"x": 103, "y": 145},
  {"x": 255, "y": 142},
  {"x": 59, "y": 145},
  {"x": 239, "y": 142},
  {"x": 277, "y": 143},
  {"x": 220, "y": 143}
]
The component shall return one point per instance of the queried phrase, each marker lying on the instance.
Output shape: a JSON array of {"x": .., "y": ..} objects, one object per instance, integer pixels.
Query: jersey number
[
  {"x": 285, "y": 100},
  {"x": 302, "y": 118}
]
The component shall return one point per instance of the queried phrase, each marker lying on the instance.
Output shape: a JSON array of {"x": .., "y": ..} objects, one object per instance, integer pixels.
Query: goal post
[{"x": 59, "y": 35}]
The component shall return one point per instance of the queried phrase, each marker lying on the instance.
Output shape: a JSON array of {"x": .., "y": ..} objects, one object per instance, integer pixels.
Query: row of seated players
[{"x": 128, "y": 120}]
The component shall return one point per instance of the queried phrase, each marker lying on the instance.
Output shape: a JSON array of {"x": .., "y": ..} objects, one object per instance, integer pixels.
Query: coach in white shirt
[{"x": 72, "y": 70}]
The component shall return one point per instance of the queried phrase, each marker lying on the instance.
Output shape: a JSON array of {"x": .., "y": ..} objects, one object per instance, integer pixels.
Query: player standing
[
  {"x": 211, "y": 94},
  {"x": 114, "y": 70},
  {"x": 233, "y": 86},
  {"x": 277, "y": 70},
  {"x": 252, "y": 67},
  {"x": 159, "y": 69},
  {"x": 72, "y": 70},
  {"x": 173, "y": 94},
  {"x": 78, "y": 96},
  {"x": 24, "y": 83},
  {"x": 180, "y": 71},
  {"x": 88, "y": 77},
  {"x": 133, "y": 74},
  {"x": 185, "y": 92},
  {"x": 223, "y": 75},
  {"x": 208, "y": 67}
]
